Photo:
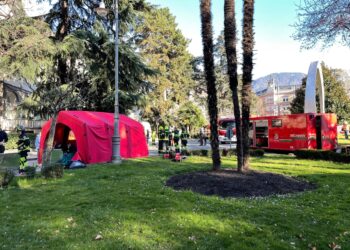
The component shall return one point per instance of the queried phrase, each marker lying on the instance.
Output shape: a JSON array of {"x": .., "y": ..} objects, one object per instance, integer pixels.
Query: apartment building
[{"x": 276, "y": 92}]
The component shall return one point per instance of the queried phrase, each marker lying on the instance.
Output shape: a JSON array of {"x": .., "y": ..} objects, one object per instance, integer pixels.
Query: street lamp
[{"x": 116, "y": 138}]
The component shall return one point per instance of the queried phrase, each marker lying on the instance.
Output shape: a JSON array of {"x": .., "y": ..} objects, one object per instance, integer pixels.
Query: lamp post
[{"x": 116, "y": 138}]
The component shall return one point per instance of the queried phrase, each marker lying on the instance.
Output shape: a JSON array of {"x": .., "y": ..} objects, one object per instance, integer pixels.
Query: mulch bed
[{"x": 230, "y": 183}]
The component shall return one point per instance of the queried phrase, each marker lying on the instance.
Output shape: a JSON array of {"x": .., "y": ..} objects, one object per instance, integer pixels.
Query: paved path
[{"x": 193, "y": 144}]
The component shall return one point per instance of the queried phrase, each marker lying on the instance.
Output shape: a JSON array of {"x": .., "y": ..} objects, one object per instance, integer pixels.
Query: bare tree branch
[{"x": 323, "y": 21}]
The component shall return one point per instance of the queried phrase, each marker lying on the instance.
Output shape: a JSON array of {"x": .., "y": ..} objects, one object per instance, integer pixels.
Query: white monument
[{"x": 314, "y": 79}]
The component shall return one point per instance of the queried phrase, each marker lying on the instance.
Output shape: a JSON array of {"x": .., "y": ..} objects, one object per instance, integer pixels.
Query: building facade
[
  {"x": 276, "y": 97},
  {"x": 12, "y": 93}
]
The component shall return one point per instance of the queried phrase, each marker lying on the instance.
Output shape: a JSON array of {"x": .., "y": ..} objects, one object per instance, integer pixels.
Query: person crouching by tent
[
  {"x": 23, "y": 146},
  {"x": 68, "y": 153}
]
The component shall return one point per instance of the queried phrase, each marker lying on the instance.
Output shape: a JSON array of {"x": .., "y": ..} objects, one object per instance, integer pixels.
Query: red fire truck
[{"x": 291, "y": 132}]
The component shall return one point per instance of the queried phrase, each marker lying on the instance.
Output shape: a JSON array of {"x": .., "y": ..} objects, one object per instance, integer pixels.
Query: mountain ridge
[{"x": 280, "y": 79}]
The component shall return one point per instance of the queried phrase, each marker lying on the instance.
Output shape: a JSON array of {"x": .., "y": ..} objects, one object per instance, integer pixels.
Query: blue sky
[{"x": 275, "y": 50}]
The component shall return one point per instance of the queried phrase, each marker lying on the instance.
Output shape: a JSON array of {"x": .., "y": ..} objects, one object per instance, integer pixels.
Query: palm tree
[
  {"x": 207, "y": 39},
  {"x": 231, "y": 54},
  {"x": 248, "y": 45}
]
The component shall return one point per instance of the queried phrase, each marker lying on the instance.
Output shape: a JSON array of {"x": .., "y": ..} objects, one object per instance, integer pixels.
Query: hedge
[
  {"x": 322, "y": 155},
  {"x": 6, "y": 176},
  {"x": 13, "y": 138},
  {"x": 54, "y": 170},
  {"x": 226, "y": 152}
]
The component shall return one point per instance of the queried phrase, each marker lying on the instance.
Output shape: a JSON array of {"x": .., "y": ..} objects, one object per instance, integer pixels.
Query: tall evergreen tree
[
  {"x": 190, "y": 116},
  {"x": 231, "y": 53},
  {"x": 248, "y": 46},
  {"x": 207, "y": 39},
  {"x": 66, "y": 62},
  {"x": 164, "y": 48}
]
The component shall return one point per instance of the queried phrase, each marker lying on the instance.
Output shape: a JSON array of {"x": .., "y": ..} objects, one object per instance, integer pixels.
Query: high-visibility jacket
[
  {"x": 166, "y": 130},
  {"x": 176, "y": 134},
  {"x": 23, "y": 143},
  {"x": 184, "y": 135},
  {"x": 161, "y": 134}
]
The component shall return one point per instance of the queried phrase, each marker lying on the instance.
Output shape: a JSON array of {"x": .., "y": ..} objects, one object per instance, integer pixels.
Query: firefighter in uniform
[
  {"x": 177, "y": 140},
  {"x": 184, "y": 140},
  {"x": 161, "y": 139},
  {"x": 23, "y": 146}
]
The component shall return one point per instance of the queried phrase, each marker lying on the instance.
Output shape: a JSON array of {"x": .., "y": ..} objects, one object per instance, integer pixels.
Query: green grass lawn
[{"x": 132, "y": 209}]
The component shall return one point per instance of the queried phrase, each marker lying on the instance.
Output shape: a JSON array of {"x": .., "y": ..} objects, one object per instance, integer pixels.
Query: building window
[{"x": 285, "y": 99}]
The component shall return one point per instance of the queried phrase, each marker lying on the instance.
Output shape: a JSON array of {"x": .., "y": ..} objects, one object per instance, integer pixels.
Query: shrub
[
  {"x": 224, "y": 152},
  {"x": 6, "y": 176},
  {"x": 228, "y": 152},
  {"x": 30, "y": 172},
  {"x": 185, "y": 152},
  {"x": 257, "y": 153},
  {"x": 54, "y": 170},
  {"x": 322, "y": 155},
  {"x": 195, "y": 152},
  {"x": 13, "y": 138},
  {"x": 204, "y": 152}
]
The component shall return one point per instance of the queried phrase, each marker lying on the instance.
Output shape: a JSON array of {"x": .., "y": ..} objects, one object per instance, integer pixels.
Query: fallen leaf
[
  {"x": 334, "y": 246},
  {"x": 193, "y": 238},
  {"x": 98, "y": 237}
]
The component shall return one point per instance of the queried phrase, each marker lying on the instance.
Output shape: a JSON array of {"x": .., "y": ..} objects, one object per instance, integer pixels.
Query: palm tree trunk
[
  {"x": 231, "y": 54},
  {"x": 207, "y": 39},
  {"x": 248, "y": 45}
]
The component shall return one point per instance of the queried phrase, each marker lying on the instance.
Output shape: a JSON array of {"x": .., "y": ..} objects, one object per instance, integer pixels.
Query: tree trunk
[
  {"x": 61, "y": 33},
  {"x": 207, "y": 39},
  {"x": 48, "y": 146},
  {"x": 62, "y": 29},
  {"x": 248, "y": 45},
  {"x": 231, "y": 54}
]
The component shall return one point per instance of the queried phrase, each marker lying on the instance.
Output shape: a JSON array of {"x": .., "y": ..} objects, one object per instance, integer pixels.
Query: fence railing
[{"x": 11, "y": 124}]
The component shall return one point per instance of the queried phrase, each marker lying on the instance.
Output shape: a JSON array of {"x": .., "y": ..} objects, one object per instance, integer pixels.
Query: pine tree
[{"x": 164, "y": 48}]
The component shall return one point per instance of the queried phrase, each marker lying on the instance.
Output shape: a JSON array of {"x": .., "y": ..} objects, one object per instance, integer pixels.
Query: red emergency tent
[{"x": 93, "y": 133}]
